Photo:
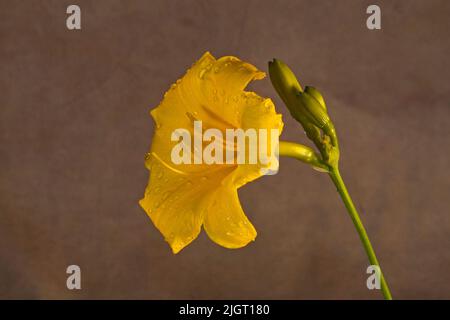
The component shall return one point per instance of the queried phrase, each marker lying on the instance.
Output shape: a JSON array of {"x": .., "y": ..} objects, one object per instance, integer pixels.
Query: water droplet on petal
[{"x": 201, "y": 74}]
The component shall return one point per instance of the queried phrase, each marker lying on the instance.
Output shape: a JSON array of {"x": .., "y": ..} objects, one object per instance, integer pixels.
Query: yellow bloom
[{"x": 180, "y": 198}]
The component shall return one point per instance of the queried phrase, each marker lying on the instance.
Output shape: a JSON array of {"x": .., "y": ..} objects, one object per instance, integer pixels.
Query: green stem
[
  {"x": 303, "y": 154},
  {"x": 342, "y": 190}
]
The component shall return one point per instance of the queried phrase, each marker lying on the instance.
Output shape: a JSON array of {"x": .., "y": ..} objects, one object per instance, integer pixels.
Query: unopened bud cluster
[{"x": 307, "y": 107}]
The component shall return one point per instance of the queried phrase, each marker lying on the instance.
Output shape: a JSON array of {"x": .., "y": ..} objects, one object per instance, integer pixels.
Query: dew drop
[
  {"x": 319, "y": 169},
  {"x": 201, "y": 74}
]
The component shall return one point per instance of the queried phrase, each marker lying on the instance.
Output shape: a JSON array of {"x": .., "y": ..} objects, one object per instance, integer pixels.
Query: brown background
[{"x": 74, "y": 128}]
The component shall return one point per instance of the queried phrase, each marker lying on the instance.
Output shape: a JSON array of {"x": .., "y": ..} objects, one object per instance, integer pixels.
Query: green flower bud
[
  {"x": 307, "y": 107},
  {"x": 317, "y": 95},
  {"x": 284, "y": 82},
  {"x": 313, "y": 110}
]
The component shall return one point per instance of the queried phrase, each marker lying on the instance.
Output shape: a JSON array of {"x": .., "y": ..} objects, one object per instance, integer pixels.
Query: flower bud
[
  {"x": 316, "y": 95},
  {"x": 306, "y": 106},
  {"x": 313, "y": 110},
  {"x": 284, "y": 82}
]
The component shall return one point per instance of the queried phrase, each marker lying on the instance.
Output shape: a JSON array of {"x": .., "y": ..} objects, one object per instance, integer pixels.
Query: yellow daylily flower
[{"x": 181, "y": 198}]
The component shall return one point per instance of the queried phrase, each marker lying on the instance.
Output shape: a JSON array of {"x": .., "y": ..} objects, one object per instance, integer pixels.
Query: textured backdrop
[{"x": 74, "y": 128}]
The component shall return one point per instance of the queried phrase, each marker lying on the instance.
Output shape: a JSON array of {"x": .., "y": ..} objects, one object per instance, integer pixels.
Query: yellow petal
[
  {"x": 210, "y": 91},
  {"x": 224, "y": 84},
  {"x": 225, "y": 222},
  {"x": 181, "y": 102},
  {"x": 258, "y": 113},
  {"x": 176, "y": 202}
]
